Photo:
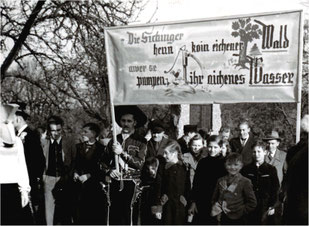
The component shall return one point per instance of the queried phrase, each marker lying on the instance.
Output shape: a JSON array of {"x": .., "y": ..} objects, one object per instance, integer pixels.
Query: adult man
[
  {"x": 91, "y": 201},
  {"x": 189, "y": 132},
  {"x": 35, "y": 161},
  {"x": 158, "y": 141},
  {"x": 243, "y": 143},
  {"x": 130, "y": 148},
  {"x": 296, "y": 181},
  {"x": 14, "y": 179},
  {"x": 275, "y": 157},
  {"x": 59, "y": 152},
  {"x": 225, "y": 133}
]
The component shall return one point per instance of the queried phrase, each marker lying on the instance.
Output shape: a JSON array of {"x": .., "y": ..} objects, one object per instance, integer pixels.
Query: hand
[
  {"x": 115, "y": 174},
  {"x": 271, "y": 211},
  {"x": 117, "y": 148},
  {"x": 158, "y": 216},
  {"x": 24, "y": 198},
  {"x": 193, "y": 209},
  {"x": 83, "y": 178},
  {"x": 75, "y": 177}
]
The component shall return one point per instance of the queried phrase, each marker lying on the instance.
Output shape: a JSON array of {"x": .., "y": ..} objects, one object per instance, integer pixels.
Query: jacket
[
  {"x": 245, "y": 151},
  {"x": 239, "y": 196}
]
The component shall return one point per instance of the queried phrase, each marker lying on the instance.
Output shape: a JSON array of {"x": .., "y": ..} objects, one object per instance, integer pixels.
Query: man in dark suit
[
  {"x": 59, "y": 152},
  {"x": 34, "y": 159},
  {"x": 158, "y": 141},
  {"x": 243, "y": 143}
]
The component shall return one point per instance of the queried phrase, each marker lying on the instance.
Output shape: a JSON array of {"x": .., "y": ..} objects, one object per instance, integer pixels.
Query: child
[
  {"x": 173, "y": 185},
  {"x": 197, "y": 152},
  {"x": 225, "y": 148},
  {"x": 233, "y": 196},
  {"x": 265, "y": 184},
  {"x": 208, "y": 171}
]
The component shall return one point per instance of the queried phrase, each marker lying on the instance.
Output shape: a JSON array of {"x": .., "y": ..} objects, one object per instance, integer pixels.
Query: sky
[{"x": 173, "y": 10}]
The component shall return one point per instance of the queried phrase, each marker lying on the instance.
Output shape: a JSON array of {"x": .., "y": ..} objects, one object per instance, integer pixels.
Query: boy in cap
[{"x": 189, "y": 132}]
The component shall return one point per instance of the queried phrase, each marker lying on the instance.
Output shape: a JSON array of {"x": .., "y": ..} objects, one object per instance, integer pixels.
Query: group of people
[{"x": 148, "y": 180}]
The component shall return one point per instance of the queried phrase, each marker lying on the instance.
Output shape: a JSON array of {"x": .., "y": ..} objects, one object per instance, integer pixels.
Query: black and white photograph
[{"x": 154, "y": 112}]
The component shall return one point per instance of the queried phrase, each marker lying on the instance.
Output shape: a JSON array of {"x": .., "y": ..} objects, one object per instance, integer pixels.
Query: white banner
[{"x": 252, "y": 58}]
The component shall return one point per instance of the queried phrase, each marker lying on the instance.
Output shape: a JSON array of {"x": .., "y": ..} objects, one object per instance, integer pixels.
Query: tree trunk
[{"x": 22, "y": 37}]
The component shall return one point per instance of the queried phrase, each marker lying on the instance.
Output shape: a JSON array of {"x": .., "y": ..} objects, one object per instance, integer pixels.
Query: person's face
[
  {"x": 225, "y": 136},
  {"x": 152, "y": 171},
  {"x": 169, "y": 156},
  {"x": 127, "y": 123},
  {"x": 259, "y": 154},
  {"x": 191, "y": 134},
  {"x": 272, "y": 145},
  {"x": 224, "y": 150},
  {"x": 55, "y": 131},
  {"x": 157, "y": 137},
  {"x": 244, "y": 131},
  {"x": 213, "y": 148},
  {"x": 88, "y": 135},
  {"x": 196, "y": 146},
  {"x": 233, "y": 168}
]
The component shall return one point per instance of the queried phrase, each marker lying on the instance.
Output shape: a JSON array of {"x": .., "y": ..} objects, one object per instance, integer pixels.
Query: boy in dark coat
[
  {"x": 208, "y": 171},
  {"x": 265, "y": 185}
]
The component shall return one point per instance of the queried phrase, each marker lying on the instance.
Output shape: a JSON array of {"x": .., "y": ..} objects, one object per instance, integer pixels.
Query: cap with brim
[
  {"x": 274, "y": 135},
  {"x": 156, "y": 126},
  {"x": 139, "y": 116},
  {"x": 190, "y": 128},
  {"x": 22, "y": 109}
]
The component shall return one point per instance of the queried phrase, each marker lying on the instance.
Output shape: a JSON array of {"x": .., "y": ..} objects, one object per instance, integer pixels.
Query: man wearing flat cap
[
  {"x": 35, "y": 160},
  {"x": 131, "y": 149},
  {"x": 158, "y": 141},
  {"x": 189, "y": 132}
]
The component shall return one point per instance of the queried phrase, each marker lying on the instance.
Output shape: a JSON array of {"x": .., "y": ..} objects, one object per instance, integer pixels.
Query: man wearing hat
[
  {"x": 14, "y": 180},
  {"x": 35, "y": 160},
  {"x": 275, "y": 157},
  {"x": 189, "y": 132},
  {"x": 131, "y": 149},
  {"x": 158, "y": 141}
]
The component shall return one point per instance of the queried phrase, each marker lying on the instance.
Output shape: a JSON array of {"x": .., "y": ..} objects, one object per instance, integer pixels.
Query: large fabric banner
[{"x": 252, "y": 58}]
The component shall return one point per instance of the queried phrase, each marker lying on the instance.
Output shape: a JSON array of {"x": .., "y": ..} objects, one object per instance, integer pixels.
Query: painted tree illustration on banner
[{"x": 247, "y": 32}]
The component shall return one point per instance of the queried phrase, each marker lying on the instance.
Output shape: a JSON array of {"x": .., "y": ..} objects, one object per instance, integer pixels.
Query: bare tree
[{"x": 64, "y": 47}]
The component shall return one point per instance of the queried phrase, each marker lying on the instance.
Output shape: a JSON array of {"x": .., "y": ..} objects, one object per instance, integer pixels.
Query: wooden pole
[
  {"x": 300, "y": 62},
  {"x": 114, "y": 135}
]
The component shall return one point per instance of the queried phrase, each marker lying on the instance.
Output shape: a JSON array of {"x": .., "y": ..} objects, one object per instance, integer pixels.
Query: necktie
[{"x": 243, "y": 141}]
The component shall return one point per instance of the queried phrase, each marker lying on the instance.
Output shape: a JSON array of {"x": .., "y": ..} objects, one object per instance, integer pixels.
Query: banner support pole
[
  {"x": 300, "y": 72},
  {"x": 114, "y": 135}
]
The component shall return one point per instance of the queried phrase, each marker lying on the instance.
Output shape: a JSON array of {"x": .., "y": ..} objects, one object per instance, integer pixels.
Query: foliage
[{"x": 61, "y": 65}]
